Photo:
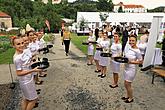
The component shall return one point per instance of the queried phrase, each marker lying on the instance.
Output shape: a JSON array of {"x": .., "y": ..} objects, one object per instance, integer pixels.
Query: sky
[{"x": 149, "y": 4}]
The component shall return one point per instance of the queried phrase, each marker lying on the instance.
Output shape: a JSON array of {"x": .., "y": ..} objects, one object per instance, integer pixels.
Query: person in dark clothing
[
  {"x": 96, "y": 33},
  {"x": 124, "y": 38},
  {"x": 62, "y": 32},
  {"x": 118, "y": 29},
  {"x": 163, "y": 52}
]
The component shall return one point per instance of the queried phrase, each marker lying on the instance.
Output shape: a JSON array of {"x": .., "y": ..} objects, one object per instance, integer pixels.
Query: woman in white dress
[
  {"x": 34, "y": 47},
  {"x": 98, "y": 52},
  {"x": 134, "y": 57},
  {"x": 24, "y": 73},
  {"x": 104, "y": 61},
  {"x": 116, "y": 49},
  {"x": 91, "y": 38},
  {"x": 142, "y": 44}
]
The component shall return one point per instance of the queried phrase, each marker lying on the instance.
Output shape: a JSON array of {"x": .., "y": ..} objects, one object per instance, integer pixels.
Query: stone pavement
[
  {"x": 72, "y": 85},
  {"x": 5, "y": 75}
]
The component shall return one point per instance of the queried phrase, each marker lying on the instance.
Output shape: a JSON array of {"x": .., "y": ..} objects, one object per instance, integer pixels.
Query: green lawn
[
  {"x": 77, "y": 41},
  {"x": 7, "y": 56}
]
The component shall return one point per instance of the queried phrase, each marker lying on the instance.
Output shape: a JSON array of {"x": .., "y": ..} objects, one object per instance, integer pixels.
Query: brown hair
[
  {"x": 132, "y": 35},
  {"x": 12, "y": 38},
  {"x": 117, "y": 34},
  {"x": 30, "y": 32}
]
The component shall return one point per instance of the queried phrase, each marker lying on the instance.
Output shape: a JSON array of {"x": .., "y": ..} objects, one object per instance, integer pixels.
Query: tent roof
[{"x": 119, "y": 17}]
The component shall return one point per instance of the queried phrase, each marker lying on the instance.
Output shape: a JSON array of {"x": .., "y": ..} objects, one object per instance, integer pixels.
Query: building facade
[
  {"x": 131, "y": 8},
  {"x": 5, "y": 21},
  {"x": 53, "y": 1}
]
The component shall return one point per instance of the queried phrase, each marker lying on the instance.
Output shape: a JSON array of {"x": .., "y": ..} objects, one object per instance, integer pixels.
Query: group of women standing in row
[
  {"x": 133, "y": 54},
  {"x": 26, "y": 50}
]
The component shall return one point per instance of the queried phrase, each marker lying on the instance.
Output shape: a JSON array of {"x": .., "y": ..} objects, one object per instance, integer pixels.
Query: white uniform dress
[
  {"x": 90, "y": 45},
  {"x": 26, "y": 82},
  {"x": 41, "y": 43},
  {"x": 98, "y": 52},
  {"x": 104, "y": 61},
  {"x": 116, "y": 50},
  {"x": 130, "y": 69},
  {"x": 33, "y": 47}
]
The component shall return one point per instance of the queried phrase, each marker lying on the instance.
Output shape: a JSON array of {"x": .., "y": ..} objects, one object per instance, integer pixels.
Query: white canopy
[{"x": 119, "y": 17}]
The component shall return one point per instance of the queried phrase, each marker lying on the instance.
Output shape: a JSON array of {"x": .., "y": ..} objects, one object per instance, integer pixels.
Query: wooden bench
[{"x": 158, "y": 72}]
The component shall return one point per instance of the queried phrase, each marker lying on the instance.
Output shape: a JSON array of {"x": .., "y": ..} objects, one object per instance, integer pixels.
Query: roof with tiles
[
  {"x": 133, "y": 6},
  {"x": 4, "y": 15},
  {"x": 129, "y": 5}
]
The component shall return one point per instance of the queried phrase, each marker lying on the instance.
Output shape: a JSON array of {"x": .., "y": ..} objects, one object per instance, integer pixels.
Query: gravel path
[{"x": 72, "y": 85}]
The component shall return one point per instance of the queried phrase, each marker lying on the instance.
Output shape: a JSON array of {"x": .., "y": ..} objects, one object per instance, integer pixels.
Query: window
[{"x": 2, "y": 25}]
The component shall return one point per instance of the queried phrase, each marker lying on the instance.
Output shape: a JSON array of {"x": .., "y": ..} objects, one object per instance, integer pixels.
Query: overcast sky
[{"x": 150, "y": 4}]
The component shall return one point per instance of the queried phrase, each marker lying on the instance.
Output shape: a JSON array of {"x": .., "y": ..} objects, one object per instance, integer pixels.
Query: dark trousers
[
  {"x": 163, "y": 58},
  {"x": 123, "y": 45},
  {"x": 66, "y": 43}
]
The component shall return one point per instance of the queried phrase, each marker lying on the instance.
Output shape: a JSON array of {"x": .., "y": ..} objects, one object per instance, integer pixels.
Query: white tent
[{"x": 91, "y": 17}]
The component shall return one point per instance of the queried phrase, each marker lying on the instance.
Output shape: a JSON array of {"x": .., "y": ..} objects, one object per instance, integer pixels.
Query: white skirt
[
  {"x": 129, "y": 72},
  {"x": 97, "y": 55},
  {"x": 104, "y": 61},
  {"x": 90, "y": 49},
  {"x": 29, "y": 89},
  {"x": 114, "y": 66}
]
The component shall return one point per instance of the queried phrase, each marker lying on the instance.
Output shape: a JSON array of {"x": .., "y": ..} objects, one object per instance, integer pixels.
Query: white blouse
[
  {"x": 105, "y": 45},
  {"x": 133, "y": 55},
  {"x": 116, "y": 49},
  {"x": 21, "y": 62},
  {"x": 34, "y": 46}
]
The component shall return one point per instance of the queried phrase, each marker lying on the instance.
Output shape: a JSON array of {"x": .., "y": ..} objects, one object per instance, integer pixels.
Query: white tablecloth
[{"x": 157, "y": 58}]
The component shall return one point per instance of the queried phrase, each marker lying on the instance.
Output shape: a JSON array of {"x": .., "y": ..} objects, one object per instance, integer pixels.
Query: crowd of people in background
[
  {"x": 27, "y": 52},
  {"x": 130, "y": 46}
]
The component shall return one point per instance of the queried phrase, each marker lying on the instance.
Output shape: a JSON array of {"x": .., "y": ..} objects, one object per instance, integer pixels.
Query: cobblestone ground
[{"x": 72, "y": 85}]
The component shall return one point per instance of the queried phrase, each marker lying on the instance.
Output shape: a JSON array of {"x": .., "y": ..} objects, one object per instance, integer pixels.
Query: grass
[
  {"x": 77, "y": 41},
  {"x": 7, "y": 56}
]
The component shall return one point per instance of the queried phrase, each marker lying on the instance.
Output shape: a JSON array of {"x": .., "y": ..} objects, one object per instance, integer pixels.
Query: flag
[{"x": 47, "y": 24}]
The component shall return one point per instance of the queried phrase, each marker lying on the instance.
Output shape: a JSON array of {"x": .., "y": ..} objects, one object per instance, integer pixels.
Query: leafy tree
[
  {"x": 36, "y": 12},
  {"x": 158, "y": 9},
  {"x": 82, "y": 23},
  {"x": 120, "y": 10},
  {"x": 103, "y": 17},
  {"x": 104, "y": 5}
]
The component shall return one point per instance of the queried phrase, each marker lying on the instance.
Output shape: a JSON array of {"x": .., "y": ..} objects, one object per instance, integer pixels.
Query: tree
[
  {"x": 104, "y": 5},
  {"x": 158, "y": 9},
  {"x": 82, "y": 23},
  {"x": 120, "y": 10},
  {"x": 103, "y": 17}
]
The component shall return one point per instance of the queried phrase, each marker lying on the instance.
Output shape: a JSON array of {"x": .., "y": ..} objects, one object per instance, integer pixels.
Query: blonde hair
[
  {"x": 66, "y": 29},
  {"x": 13, "y": 38}
]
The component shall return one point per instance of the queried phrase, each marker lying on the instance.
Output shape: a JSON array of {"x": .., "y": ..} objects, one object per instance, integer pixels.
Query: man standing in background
[{"x": 97, "y": 33}]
